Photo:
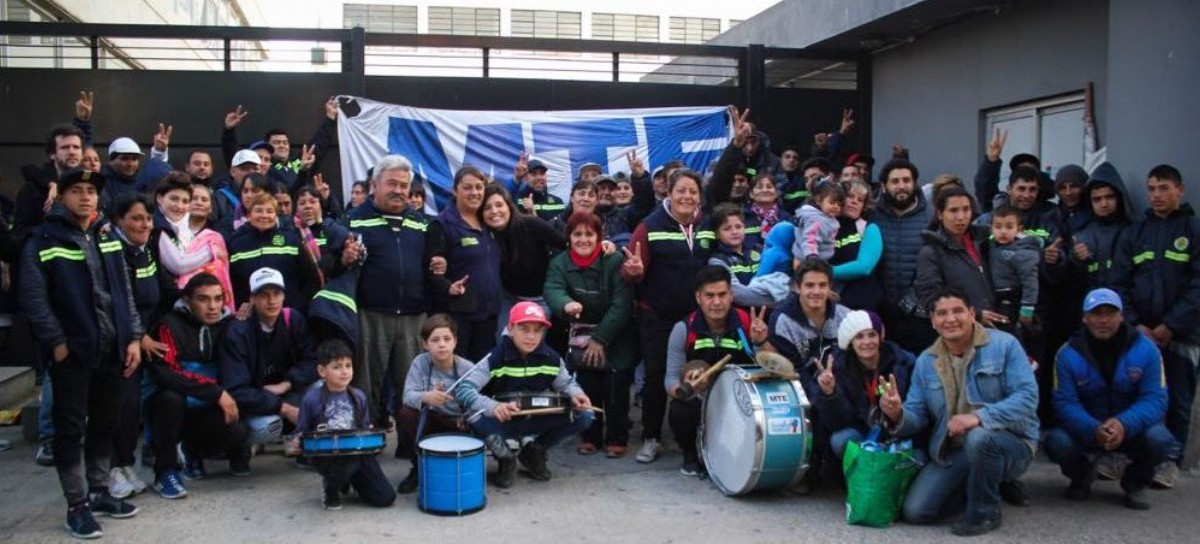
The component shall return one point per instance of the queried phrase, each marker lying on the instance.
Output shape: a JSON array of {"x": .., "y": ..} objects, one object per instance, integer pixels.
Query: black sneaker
[
  {"x": 1136, "y": 500},
  {"x": 1080, "y": 490},
  {"x": 45, "y": 457},
  {"x": 107, "y": 505},
  {"x": 507, "y": 474},
  {"x": 239, "y": 464},
  {"x": 332, "y": 500},
  {"x": 975, "y": 528},
  {"x": 1014, "y": 493},
  {"x": 82, "y": 523},
  {"x": 409, "y": 484},
  {"x": 533, "y": 457}
]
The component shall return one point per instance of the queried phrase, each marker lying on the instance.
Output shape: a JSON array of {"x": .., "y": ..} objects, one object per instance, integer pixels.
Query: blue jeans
[
  {"x": 840, "y": 438},
  {"x": 46, "y": 410},
  {"x": 1145, "y": 451},
  {"x": 550, "y": 430},
  {"x": 1179, "y": 367},
  {"x": 974, "y": 470}
]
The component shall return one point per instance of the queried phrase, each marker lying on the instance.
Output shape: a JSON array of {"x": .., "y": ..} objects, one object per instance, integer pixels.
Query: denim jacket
[{"x": 1000, "y": 385}]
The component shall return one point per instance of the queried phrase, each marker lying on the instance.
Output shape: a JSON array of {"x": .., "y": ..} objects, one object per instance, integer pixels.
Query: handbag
[
  {"x": 877, "y": 479},
  {"x": 578, "y": 338}
]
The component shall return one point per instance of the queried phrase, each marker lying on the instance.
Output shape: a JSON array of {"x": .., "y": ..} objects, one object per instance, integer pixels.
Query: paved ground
[{"x": 591, "y": 499}]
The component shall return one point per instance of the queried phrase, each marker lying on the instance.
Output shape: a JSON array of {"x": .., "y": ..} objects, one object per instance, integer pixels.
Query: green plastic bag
[{"x": 876, "y": 482}]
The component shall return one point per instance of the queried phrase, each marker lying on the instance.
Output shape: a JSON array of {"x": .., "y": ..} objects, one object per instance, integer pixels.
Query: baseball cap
[
  {"x": 605, "y": 179},
  {"x": 245, "y": 156},
  {"x": 527, "y": 312},
  {"x": 265, "y": 277},
  {"x": 536, "y": 164},
  {"x": 79, "y": 175},
  {"x": 1102, "y": 297},
  {"x": 590, "y": 166},
  {"x": 123, "y": 146},
  {"x": 260, "y": 144}
]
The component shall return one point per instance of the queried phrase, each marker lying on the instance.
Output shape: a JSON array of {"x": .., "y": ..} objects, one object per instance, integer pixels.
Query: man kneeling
[
  {"x": 975, "y": 392},
  {"x": 1109, "y": 396},
  {"x": 522, "y": 363}
]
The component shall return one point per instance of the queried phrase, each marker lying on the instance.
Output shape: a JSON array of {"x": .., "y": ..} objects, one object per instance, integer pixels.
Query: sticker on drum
[
  {"x": 778, "y": 398},
  {"x": 741, "y": 397},
  {"x": 784, "y": 425},
  {"x": 540, "y": 402},
  {"x": 781, "y": 411}
]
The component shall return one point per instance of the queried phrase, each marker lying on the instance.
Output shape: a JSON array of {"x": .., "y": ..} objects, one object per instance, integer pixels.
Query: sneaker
[
  {"x": 169, "y": 486},
  {"x": 1165, "y": 475},
  {"x": 193, "y": 465},
  {"x": 1079, "y": 491},
  {"x": 118, "y": 485},
  {"x": 409, "y": 484},
  {"x": 239, "y": 465},
  {"x": 533, "y": 457},
  {"x": 107, "y": 505},
  {"x": 45, "y": 457},
  {"x": 81, "y": 523},
  {"x": 587, "y": 448},
  {"x": 507, "y": 474},
  {"x": 1109, "y": 467},
  {"x": 974, "y": 528},
  {"x": 690, "y": 466},
  {"x": 1014, "y": 493},
  {"x": 649, "y": 451},
  {"x": 1136, "y": 500},
  {"x": 303, "y": 463},
  {"x": 614, "y": 451},
  {"x": 332, "y": 500},
  {"x": 138, "y": 485}
]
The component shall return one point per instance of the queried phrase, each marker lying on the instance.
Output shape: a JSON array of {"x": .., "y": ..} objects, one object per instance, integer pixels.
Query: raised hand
[
  {"x": 351, "y": 250},
  {"x": 637, "y": 168},
  {"x": 234, "y": 118},
  {"x": 633, "y": 260},
  {"x": 996, "y": 146},
  {"x": 742, "y": 129},
  {"x": 758, "y": 325},
  {"x": 825, "y": 377},
  {"x": 891, "y": 403},
  {"x": 331, "y": 108},
  {"x": 1080, "y": 251},
  {"x": 522, "y": 167},
  {"x": 308, "y": 156},
  {"x": 847, "y": 121},
  {"x": 527, "y": 204},
  {"x": 162, "y": 138},
  {"x": 83, "y": 106}
]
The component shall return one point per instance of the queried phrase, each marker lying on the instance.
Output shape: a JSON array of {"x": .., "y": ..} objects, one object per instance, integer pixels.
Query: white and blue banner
[{"x": 439, "y": 142}]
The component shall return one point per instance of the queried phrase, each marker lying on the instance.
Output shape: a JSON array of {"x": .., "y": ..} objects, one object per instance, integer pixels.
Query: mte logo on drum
[{"x": 777, "y": 398}]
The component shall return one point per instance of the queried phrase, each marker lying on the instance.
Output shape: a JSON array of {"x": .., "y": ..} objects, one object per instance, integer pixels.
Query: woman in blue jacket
[
  {"x": 472, "y": 264},
  {"x": 260, "y": 243}
]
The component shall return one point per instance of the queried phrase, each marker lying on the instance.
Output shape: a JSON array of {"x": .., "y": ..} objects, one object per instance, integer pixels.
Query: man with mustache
[{"x": 902, "y": 213}]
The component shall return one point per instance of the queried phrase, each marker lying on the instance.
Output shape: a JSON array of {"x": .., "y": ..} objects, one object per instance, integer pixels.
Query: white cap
[
  {"x": 245, "y": 156},
  {"x": 265, "y": 277},
  {"x": 123, "y": 146}
]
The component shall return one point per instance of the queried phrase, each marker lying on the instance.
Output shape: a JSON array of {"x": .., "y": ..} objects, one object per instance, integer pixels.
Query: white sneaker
[
  {"x": 138, "y": 485},
  {"x": 1165, "y": 475},
  {"x": 118, "y": 485},
  {"x": 1111, "y": 466},
  {"x": 649, "y": 451}
]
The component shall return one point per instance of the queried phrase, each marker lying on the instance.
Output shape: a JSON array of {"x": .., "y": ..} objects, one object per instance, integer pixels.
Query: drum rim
[
  {"x": 806, "y": 449},
  {"x": 451, "y": 454},
  {"x": 452, "y": 513},
  {"x": 760, "y": 442}
]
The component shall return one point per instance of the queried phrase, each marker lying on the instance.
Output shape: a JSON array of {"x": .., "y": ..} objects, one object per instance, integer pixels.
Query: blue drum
[
  {"x": 755, "y": 431},
  {"x": 330, "y": 443},
  {"x": 452, "y": 471}
]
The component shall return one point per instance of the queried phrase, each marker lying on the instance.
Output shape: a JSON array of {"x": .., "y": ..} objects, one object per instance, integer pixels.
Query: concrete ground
[{"x": 590, "y": 499}]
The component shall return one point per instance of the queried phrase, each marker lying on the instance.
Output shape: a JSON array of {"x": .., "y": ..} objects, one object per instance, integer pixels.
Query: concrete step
[{"x": 17, "y": 385}]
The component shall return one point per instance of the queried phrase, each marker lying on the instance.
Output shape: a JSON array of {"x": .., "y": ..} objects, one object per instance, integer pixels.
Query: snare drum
[
  {"x": 529, "y": 401},
  {"x": 328, "y": 443},
  {"x": 755, "y": 431},
  {"x": 452, "y": 471}
]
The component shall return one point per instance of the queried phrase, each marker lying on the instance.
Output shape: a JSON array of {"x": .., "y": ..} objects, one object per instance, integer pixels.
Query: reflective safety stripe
[
  {"x": 256, "y": 253},
  {"x": 753, "y": 230},
  {"x": 338, "y": 298},
  {"x": 414, "y": 225},
  {"x": 744, "y": 268},
  {"x": 1177, "y": 256},
  {"x": 852, "y": 239},
  {"x": 1143, "y": 257},
  {"x": 322, "y": 241},
  {"x": 665, "y": 236},
  {"x": 147, "y": 271},
  {"x": 523, "y": 372},
  {"x": 61, "y": 253},
  {"x": 706, "y": 235},
  {"x": 796, "y": 195},
  {"x": 708, "y": 343},
  {"x": 1038, "y": 233},
  {"x": 550, "y": 207},
  {"x": 109, "y": 247},
  {"x": 364, "y": 223}
]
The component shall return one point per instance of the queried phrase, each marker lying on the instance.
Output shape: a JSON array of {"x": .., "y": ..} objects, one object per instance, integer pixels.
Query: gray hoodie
[
  {"x": 1015, "y": 266},
  {"x": 422, "y": 377},
  {"x": 816, "y": 233}
]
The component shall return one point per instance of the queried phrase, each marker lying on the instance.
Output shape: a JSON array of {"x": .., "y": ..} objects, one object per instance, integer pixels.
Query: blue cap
[
  {"x": 1102, "y": 297},
  {"x": 261, "y": 144}
]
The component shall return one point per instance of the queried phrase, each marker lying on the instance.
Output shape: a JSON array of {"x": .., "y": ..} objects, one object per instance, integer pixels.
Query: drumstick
[
  {"x": 550, "y": 411},
  {"x": 467, "y": 373},
  {"x": 687, "y": 388}
]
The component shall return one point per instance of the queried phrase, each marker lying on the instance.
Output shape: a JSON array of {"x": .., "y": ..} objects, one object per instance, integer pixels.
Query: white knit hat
[{"x": 854, "y": 323}]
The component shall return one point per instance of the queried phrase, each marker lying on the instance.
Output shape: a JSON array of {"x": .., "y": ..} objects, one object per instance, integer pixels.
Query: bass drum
[{"x": 755, "y": 434}]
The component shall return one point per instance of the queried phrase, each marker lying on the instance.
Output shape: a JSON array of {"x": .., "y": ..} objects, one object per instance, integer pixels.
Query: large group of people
[{"x": 204, "y": 315}]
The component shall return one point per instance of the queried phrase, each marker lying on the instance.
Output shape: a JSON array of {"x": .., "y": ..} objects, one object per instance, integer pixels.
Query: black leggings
[
  {"x": 202, "y": 430},
  {"x": 125, "y": 435},
  {"x": 475, "y": 337}
]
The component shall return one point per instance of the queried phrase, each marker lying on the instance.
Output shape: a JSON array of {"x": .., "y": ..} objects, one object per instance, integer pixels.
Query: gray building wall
[
  {"x": 801, "y": 23},
  {"x": 930, "y": 95},
  {"x": 1153, "y": 102}
]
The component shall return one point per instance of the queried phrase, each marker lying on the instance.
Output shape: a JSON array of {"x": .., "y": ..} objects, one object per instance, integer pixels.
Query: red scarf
[{"x": 585, "y": 262}]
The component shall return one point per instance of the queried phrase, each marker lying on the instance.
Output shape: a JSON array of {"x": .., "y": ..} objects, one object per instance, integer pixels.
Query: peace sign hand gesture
[
  {"x": 234, "y": 118},
  {"x": 308, "y": 156},
  {"x": 825, "y": 378},
  {"x": 83, "y": 106},
  {"x": 162, "y": 138},
  {"x": 758, "y": 325},
  {"x": 996, "y": 146},
  {"x": 633, "y": 260},
  {"x": 637, "y": 168},
  {"x": 847, "y": 121},
  {"x": 522, "y": 166},
  {"x": 742, "y": 129},
  {"x": 891, "y": 403}
]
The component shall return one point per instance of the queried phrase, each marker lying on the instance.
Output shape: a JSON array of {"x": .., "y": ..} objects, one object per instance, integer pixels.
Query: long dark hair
[
  {"x": 511, "y": 251},
  {"x": 943, "y": 197}
]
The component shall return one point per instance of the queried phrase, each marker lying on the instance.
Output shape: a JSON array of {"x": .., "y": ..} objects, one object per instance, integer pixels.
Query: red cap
[{"x": 527, "y": 312}]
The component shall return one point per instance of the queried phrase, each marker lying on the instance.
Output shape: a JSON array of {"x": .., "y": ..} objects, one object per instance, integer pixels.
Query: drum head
[
  {"x": 450, "y": 443},
  {"x": 731, "y": 437}
]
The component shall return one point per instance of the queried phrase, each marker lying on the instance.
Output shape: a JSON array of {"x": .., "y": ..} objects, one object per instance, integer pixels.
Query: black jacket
[
  {"x": 251, "y": 358},
  {"x": 943, "y": 261}
]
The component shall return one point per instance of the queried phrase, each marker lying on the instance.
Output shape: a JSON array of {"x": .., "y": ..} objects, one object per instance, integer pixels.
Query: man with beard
[
  {"x": 200, "y": 167},
  {"x": 902, "y": 214},
  {"x": 532, "y": 192}
]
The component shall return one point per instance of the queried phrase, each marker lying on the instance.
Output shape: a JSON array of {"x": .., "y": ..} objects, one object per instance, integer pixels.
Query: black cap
[
  {"x": 536, "y": 164},
  {"x": 1024, "y": 158},
  {"x": 79, "y": 175},
  {"x": 605, "y": 179}
]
